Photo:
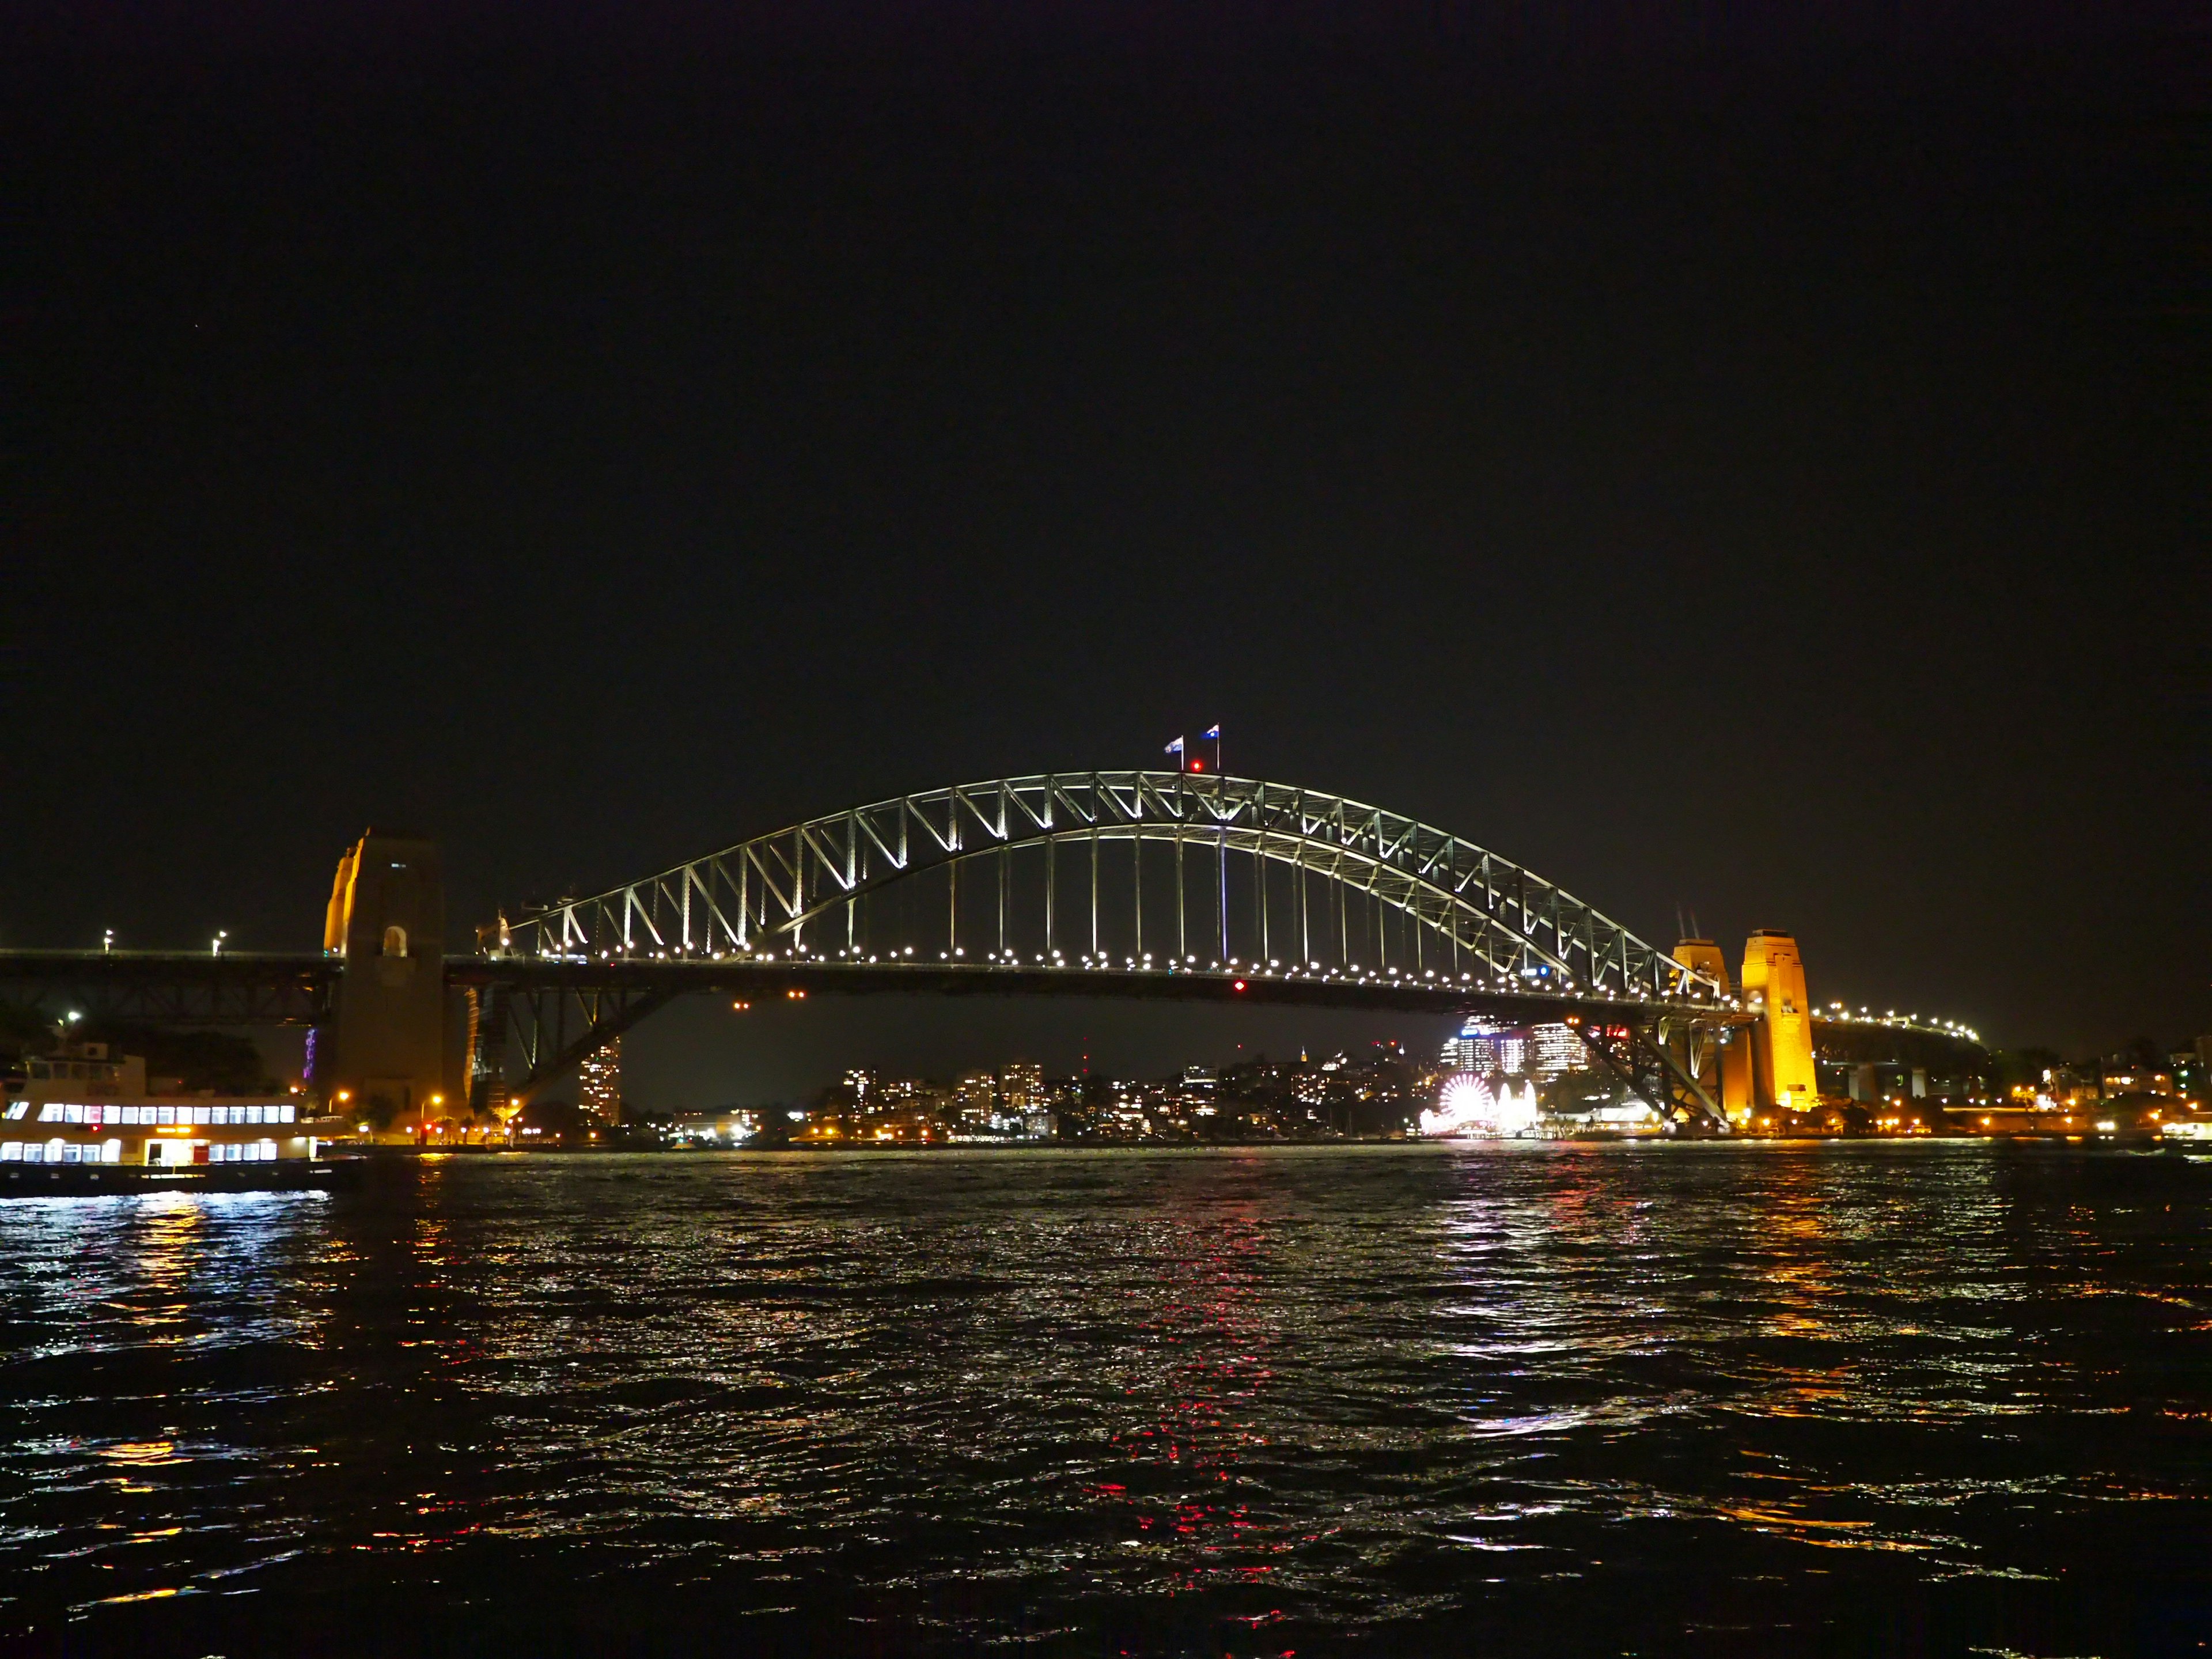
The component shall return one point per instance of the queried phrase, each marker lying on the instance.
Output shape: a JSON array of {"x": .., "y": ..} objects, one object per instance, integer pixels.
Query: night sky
[{"x": 1749, "y": 458}]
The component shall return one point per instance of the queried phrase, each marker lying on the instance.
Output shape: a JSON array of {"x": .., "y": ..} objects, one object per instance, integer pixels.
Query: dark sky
[{"x": 1745, "y": 457}]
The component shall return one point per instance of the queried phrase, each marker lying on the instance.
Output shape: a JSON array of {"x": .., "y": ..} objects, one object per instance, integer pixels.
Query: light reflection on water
[{"x": 1152, "y": 1401}]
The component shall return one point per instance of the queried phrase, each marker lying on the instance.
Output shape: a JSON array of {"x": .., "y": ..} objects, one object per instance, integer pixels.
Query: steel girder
[
  {"x": 548, "y": 1025},
  {"x": 759, "y": 895},
  {"x": 160, "y": 987},
  {"x": 1641, "y": 1057}
]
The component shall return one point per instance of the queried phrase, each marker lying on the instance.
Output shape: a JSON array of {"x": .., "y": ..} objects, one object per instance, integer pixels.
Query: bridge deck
[
  {"x": 298, "y": 988},
  {"x": 760, "y": 979}
]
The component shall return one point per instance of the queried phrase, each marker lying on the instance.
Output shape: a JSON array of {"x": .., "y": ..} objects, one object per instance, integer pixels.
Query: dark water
[{"x": 1661, "y": 1399}]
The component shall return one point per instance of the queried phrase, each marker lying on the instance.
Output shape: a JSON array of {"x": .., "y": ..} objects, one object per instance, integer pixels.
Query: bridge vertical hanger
[
  {"x": 1182, "y": 939},
  {"x": 1222, "y": 885}
]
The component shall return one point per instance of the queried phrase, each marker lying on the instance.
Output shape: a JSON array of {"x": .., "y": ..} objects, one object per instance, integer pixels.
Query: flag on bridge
[
  {"x": 1176, "y": 749},
  {"x": 1212, "y": 734}
]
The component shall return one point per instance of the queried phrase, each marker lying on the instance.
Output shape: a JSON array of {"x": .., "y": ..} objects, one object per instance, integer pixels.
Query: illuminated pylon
[{"x": 1781, "y": 1049}]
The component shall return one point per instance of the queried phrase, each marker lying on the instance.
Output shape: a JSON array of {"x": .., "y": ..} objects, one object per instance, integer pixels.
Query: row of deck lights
[
  {"x": 1147, "y": 962},
  {"x": 1150, "y": 962},
  {"x": 1909, "y": 1022}
]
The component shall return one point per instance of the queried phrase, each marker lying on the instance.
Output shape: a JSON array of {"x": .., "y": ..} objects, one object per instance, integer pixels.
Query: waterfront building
[
  {"x": 726, "y": 1127},
  {"x": 598, "y": 1082},
  {"x": 975, "y": 1101},
  {"x": 1021, "y": 1086},
  {"x": 1484, "y": 1048},
  {"x": 1555, "y": 1049},
  {"x": 1475, "y": 1049}
]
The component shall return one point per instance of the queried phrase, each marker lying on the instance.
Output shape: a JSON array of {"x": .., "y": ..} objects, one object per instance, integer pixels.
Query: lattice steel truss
[
  {"x": 1462, "y": 914},
  {"x": 163, "y": 987},
  {"x": 554, "y": 1021}
]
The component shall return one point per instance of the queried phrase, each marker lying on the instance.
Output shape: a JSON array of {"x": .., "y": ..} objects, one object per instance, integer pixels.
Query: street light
[
  {"x": 215, "y": 947},
  {"x": 107, "y": 942}
]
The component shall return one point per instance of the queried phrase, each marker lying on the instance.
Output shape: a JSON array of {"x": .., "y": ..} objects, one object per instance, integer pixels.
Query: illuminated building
[
  {"x": 598, "y": 1082},
  {"x": 975, "y": 1100},
  {"x": 1021, "y": 1087},
  {"x": 1483, "y": 1048},
  {"x": 1555, "y": 1049},
  {"x": 1475, "y": 1049}
]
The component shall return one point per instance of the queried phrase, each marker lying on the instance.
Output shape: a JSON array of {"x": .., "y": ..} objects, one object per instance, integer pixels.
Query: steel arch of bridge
[
  {"x": 1466, "y": 913},
  {"x": 791, "y": 911}
]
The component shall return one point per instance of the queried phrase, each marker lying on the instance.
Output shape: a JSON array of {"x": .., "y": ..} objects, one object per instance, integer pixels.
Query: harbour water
[{"x": 1779, "y": 1399}]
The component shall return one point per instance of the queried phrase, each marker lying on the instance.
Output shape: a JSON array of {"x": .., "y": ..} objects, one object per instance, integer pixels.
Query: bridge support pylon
[
  {"x": 385, "y": 1062},
  {"x": 1783, "y": 1074}
]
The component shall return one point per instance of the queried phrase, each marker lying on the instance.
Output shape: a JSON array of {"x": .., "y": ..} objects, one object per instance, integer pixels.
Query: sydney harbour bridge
[{"x": 1138, "y": 884}]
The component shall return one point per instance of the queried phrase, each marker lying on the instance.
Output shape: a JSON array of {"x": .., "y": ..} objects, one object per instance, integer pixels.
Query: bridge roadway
[
  {"x": 174, "y": 988},
  {"x": 246, "y": 989},
  {"x": 770, "y": 980},
  {"x": 562, "y": 1008}
]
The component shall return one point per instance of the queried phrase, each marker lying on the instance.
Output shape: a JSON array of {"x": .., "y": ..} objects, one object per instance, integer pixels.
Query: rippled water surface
[{"x": 1656, "y": 1400}]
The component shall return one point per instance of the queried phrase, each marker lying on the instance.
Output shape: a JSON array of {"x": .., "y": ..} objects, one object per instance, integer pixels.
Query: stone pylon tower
[
  {"x": 388, "y": 919},
  {"x": 1783, "y": 1073},
  {"x": 1722, "y": 1062}
]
